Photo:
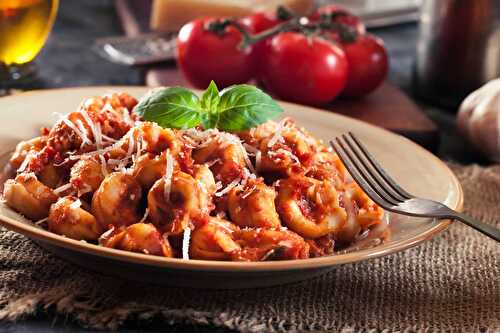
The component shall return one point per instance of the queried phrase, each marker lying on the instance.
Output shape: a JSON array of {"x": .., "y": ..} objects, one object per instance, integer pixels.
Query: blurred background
[{"x": 439, "y": 51}]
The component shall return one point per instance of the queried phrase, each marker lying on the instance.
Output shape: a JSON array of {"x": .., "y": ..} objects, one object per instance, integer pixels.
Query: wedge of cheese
[{"x": 170, "y": 15}]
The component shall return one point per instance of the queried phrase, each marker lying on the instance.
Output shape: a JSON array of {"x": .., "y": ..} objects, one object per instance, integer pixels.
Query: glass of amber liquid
[{"x": 24, "y": 28}]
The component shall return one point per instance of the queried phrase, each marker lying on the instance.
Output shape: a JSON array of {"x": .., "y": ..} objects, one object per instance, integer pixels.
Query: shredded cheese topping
[
  {"x": 75, "y": 129},
  {"x": 62, "y": 188},
  {"x": 146, "y": 214},
  {"x": 186, "y": 237},
  {"x": 84, "y": 132},
  {"x": 103, "y": 165},
  {"x": 95, "y": 131},
  {"x": 228, "y": 188},
  {"x": 25, "y": 163},
  {"x": 258, "y": 159},
  {"x": 127, "y": 118},
  {"x": 169, "y": 170},
  {"x": 278, "y": 136},
  {"x": 75, "y": 204},
  {"x": 248, "y": 192},
  {"x": 42, "y": 221}
]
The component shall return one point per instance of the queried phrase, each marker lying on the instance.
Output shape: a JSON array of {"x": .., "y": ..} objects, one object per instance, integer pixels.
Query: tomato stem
[
  {"x": 293, "y": 23},
  {"x": 249, "y": 39}
]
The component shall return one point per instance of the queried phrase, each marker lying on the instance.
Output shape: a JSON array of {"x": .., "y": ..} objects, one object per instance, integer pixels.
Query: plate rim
[{"x": 39, "y": 234}]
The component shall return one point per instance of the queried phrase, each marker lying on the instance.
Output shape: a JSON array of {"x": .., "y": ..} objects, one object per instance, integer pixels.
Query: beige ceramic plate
[{"x": 417, "y": 170}]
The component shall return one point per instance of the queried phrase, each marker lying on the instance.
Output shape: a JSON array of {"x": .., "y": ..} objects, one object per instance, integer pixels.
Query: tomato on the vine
[
  {"x": 303, "y": 69},
  {"x": 338, "y": 15},
  {"x": 368, "y": 65},
  {"x": 204, "y": 55},
  {"x": 261, "y": 21}
]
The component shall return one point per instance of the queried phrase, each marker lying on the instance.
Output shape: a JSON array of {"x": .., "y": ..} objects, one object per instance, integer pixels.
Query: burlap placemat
[{"x": 451, "y": 283}]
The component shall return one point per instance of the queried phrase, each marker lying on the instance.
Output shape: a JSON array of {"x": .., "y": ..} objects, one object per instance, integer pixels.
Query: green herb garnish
[{"x": 235, "y": 108}]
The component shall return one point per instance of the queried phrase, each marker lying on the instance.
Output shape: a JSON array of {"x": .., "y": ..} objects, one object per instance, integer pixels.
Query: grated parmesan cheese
[
  {"x": 103, "y": 165},
  {"x": 131, "y": 142},
  {"x": 84, "y": 133},
  {"x": 146, "y": 214},
  {"x": 108, "y": 107},
  {"x": 90, "y": 154},
  {"x": 277, "y": 136},
  {"x": 127, "y": 118},
  {"x": 283, "y": 152},
  {"x": 247, "y": 161},
  {"x": 92, "y": 126},
  {"x": 286, "y": 243},
  {"x": 98, "y": 135},
  {"x": 250, "y": 148},
  {"x": 75, "y": 204},
  {"x": 169, "y": 170},
  {"x": 65, "y": 120},
  {"x": 108, "y": 138},
  {"x": 223, "y": 226},
  {"x": 42, "y": 221},
  {"x": 248, "y": 192},
  {"x": 213, "y": 162},
  {"x": 185, "y": 243},
  {"x": 62, "y": 188},
  {"x": 258, "y": 159},
  {"x": 106, "y": 234},
  {"x": 139, "y": 148},
  {"x": 228, "y": 188},
  {"x": 25, "y": 163}
]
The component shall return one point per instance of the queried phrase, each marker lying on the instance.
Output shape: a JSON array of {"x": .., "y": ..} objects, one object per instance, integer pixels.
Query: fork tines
[{"x": 367, "y": 172}]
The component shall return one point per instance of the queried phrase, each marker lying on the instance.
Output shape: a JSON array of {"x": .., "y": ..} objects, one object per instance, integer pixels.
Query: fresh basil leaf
[
  {"x": 209, "y": 102},
  {"x": 174, "y": 107},
  {"x": 242, "y": 107},
  {"x": 210, "y": 98}
]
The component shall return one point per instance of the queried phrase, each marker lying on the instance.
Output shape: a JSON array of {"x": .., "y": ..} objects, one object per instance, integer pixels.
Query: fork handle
[{"x": 484, "y": 228}]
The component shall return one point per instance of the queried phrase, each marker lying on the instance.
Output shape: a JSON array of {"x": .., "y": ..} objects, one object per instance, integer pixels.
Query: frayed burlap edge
[{"x": 91, "y": 316}]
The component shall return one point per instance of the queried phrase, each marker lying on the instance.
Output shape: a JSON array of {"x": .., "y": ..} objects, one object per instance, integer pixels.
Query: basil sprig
[{"x": 235, "y": 108}]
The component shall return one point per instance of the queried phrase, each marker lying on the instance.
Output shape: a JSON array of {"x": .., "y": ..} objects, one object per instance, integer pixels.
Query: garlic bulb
[{"x": 479, "y": 119}]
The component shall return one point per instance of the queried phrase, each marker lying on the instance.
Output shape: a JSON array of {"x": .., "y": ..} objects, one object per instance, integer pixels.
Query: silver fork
[{"x": 384, "y": 190}]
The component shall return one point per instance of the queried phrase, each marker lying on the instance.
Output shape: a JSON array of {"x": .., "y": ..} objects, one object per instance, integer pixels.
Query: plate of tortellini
[{"x": 91, "y": 178}]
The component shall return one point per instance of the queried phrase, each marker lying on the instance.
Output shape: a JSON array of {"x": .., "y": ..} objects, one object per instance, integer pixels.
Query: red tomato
[
  {"x": 204, "y": 55},
  {"x": 344, "y": 17},
  {"x": 303, "y": 69},
  {"x": 258, "y": 23},
  {"x": 368, "y": 65},
  {"x": 261, "y": 21}
]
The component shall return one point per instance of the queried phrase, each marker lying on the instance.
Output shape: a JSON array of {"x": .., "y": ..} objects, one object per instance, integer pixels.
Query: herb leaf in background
[
  {"x": 235, "y": 108},
  {"x": 174, "y": 107}
]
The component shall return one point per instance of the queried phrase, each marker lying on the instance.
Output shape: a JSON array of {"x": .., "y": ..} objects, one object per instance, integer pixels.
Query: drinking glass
[{"x": 24, "y": 28}]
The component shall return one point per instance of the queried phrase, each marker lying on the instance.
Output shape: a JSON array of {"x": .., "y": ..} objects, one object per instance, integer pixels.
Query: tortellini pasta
[{"x": 273, "y": 192}]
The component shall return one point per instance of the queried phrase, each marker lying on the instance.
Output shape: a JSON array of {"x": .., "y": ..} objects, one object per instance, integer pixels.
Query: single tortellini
[
  {"x": 252, "y": 205},
  {"x": 67, "y": 217},
  {"x": 310, "y": 207},
  {"x": 30, "y": 197},
  {"x": 173, "y": 202},
  {"x": 138, "y": 237},
  {"x": 117, "y": 200}
]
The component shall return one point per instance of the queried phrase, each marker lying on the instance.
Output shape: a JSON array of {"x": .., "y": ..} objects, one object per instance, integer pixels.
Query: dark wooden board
[{"x": 387, "y": 107}]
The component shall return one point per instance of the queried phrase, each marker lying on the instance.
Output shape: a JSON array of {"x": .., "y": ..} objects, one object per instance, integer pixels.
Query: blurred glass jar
[
  {"x": 24, "y": 27},
  {"x": 458, "y": 49}
]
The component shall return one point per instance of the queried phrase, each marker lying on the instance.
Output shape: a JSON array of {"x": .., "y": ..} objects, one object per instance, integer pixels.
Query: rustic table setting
[{"x": 449, "y": 282}]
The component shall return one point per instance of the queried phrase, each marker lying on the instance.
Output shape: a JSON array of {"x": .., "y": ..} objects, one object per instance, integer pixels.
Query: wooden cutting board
[{"x": 387, "y": 107}]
